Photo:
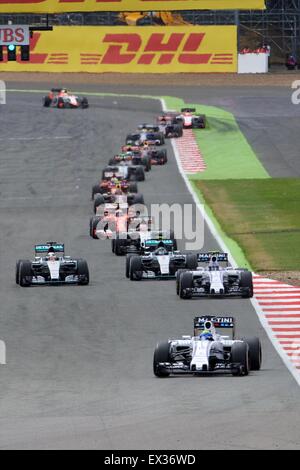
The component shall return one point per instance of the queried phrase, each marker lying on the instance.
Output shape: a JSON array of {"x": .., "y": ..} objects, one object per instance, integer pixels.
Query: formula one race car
[
  {"x": 133, "y": 156},
  {"x": 119, "y": 174},
  {"x": 51, "y": 266},
  {"x": 149, "y": 152},
  {"x": 208, "y": 352},
  {"x": 117, "y": 197},
  {"x": 161, "y": 263},
  {"x": 214, "y": 280},
  {"x": 109, "y": 220},
  {"x": 169, "y": 125},
  {"x": 140, "y": 237},
  {"x": 191, "y": 120},
  {"x": 107, "y": 185},
  {"x": 149, "y": 132},
  {"x": 61, "y": 98}
]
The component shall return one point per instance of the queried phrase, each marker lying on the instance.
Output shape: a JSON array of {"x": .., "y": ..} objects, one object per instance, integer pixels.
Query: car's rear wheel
[
  {"x": 47, "y": 101},
  {"x": 185, "y": 282},
  {"x": 240, "y": 357},
  {"x": 25, "y": 273},
  {"x": 133, "y": 187},
  {"x": 161, "y": 354},
  {"x": 127, "y": 269},
  {"x": 98, "y": 202},
  {"x": 255, "y": 352},
  {"x": 83, "y": 272},
  {"x": 178, "y": 274},
  {"x": 191, "y": 261},
  {"x": 246, "y": 284},
  {"x": 135, "y": 269},
  {"x": 140, "y": 174}
]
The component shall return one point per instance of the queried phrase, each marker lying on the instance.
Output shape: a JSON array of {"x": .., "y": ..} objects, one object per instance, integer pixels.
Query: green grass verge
[
  {"x": 261, "y": 217},
  {"x": 225, "y": 149}
]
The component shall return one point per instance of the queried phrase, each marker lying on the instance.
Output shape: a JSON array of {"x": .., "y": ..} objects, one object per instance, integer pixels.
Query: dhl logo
[
  {"x": 131, "y": 49},
  {"x": 161, "y": 47}
]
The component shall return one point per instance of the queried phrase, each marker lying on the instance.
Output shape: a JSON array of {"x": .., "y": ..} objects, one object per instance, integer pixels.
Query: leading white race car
[{"x": 208, "y": 351}]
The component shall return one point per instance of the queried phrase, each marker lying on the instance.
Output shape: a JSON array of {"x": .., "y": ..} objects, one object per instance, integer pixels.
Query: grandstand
[{"x": 278, "y": 25}]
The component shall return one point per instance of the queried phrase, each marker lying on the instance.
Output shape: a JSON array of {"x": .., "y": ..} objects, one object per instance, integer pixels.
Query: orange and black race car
[{"x": 62, "y": 98}]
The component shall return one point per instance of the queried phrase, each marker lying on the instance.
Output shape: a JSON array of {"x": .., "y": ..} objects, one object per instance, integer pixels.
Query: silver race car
[
  {"x": 51, "y": 266},
  {"x": 160, "y": 262},
  {"x": 214, "y": 279},
  {"x": 209, "y": 351}
]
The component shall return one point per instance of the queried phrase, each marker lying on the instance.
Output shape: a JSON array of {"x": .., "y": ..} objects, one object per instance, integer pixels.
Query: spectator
[{"x": 291, "y": 63}]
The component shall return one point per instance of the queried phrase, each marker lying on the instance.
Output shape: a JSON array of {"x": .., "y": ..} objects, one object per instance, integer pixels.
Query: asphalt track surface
[{"x": 79, "y": 371}]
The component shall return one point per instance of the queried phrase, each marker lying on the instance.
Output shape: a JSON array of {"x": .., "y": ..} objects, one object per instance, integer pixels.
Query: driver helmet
[
  {"x": 51, "y": 254},
  {"x": 206, "y": 335}
]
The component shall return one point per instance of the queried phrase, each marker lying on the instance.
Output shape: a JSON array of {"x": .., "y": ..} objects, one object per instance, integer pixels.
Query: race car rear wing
[
  {"x": 188, "y": 110},
  {"x": 207, "y": 257},
  {"x": 152, "y": 244},
  {"x": 218, "y": 321},
  {"x": 57, "y": 247}
]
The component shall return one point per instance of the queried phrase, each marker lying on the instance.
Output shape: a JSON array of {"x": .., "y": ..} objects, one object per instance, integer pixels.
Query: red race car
[{"x": 62, "y": 98}]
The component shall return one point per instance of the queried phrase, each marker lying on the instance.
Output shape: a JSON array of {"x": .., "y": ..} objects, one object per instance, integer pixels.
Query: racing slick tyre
[
  {"x": 127, "y": 270},
  {"x": 240, "y": 355},
  {"x": 119, "y": 243},
  {"x": 84, "y": 103},
  {"x": 146, "y": 162},
  {"x": 255, "y": 352},
  {"x": 83, "y": 272},
  {"x": 25, "y": 273},
  {"x": 93, "y": 226},
  {"x": 135, "y": 269},
  {"x": 246, "y": 284},
  {"x": 47, "y": 101},
  {"x": 98, "y": 202},
  {"x": 191, "y": 261},
  {"x": 133, "y": 187},
  {"x": 185, "y": 282},
  {"x": 140, "y": 174},
  {"x": 138, "y": 199},
  {"x": 161, "y": 354},
  {"x": 178, "y": 274},
  {"x": 96, "y": 189},
  {"x": 164, "y": 156},
  {"x": 18, "y": 264},
  {"x": 60, "y": 103},
  {"x": 178, "y": 130}
]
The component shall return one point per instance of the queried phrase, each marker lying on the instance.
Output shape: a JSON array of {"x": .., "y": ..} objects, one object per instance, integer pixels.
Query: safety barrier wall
[
  {"x": 253, "y": 63},
  {"x": 57, "y": 6},
  {"x": 134, "y": 49}
]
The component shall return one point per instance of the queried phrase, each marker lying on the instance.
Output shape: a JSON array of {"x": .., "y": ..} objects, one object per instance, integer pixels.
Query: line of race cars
[{"x": 152, "y": 253}]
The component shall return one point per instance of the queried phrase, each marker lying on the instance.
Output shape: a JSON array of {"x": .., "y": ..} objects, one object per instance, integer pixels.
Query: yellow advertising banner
[
  {"x": 59, "y": 6},
  {"x": 131, "y": 49}
]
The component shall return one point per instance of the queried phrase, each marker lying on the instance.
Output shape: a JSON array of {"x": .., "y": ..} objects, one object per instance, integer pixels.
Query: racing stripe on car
[
  {"x": 280, "y": 308},
  {"x": 189, "y": 154}
]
